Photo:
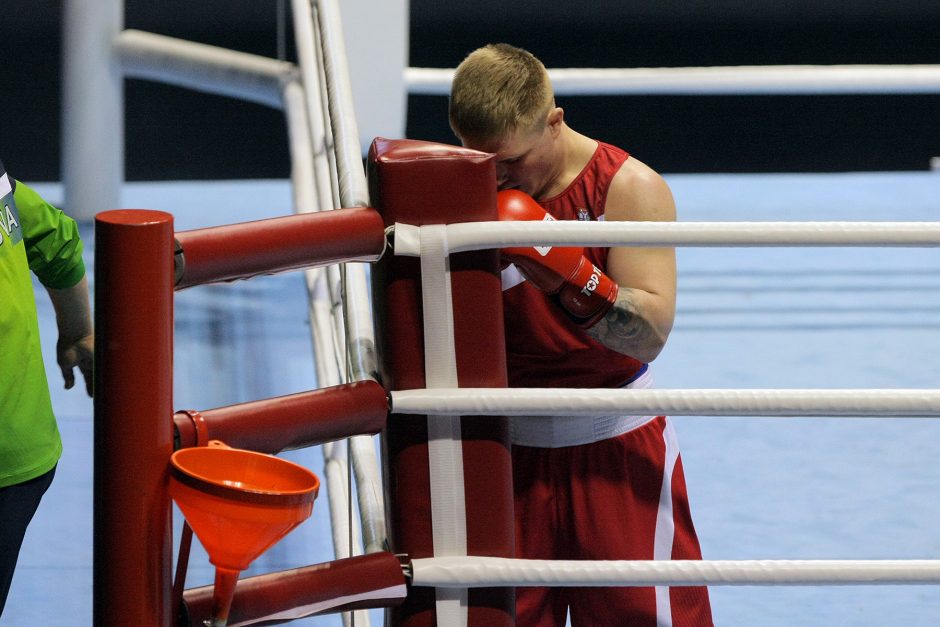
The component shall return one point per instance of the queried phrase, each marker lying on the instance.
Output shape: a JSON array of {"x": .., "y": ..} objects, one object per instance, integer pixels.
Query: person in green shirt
[{"x": 34, "y": 236}]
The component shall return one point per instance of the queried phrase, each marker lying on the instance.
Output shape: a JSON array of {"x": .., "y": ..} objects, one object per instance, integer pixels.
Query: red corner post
[
  {"x": 423, "y": 183},
  {"x": 133, "y": 417}
]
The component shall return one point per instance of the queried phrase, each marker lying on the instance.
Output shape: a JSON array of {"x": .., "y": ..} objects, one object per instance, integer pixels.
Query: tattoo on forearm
[{"x": 626, "y": 331}]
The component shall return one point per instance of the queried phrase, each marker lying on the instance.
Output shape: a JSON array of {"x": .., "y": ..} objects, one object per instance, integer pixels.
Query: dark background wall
[{"x": 176, "y": 134}]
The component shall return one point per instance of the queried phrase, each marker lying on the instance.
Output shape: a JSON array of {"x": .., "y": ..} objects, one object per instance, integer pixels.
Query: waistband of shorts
[{"x": 561, "y": 431}]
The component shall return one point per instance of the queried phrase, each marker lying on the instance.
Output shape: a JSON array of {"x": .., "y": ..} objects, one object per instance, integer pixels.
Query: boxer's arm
[{"x": 641, "y": 318}]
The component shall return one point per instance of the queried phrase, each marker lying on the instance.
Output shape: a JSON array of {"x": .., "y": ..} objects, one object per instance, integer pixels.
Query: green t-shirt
[{"x": 35, "y": 236}]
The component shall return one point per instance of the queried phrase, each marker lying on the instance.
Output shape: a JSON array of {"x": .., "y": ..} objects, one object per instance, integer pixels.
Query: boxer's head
[
  {"x": 497, "y": 91},
  {"x": 502, "y": 101}
]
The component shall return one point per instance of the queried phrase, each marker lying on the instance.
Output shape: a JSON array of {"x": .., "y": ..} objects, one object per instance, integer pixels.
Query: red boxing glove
[{"x": 584, "y": 291}]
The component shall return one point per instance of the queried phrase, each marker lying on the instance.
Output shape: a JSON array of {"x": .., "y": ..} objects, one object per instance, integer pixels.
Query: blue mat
[{"x": 761, "y": 488}]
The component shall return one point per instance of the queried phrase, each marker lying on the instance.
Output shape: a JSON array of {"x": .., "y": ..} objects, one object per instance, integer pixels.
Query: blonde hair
[{"x": 497, "y": 90}]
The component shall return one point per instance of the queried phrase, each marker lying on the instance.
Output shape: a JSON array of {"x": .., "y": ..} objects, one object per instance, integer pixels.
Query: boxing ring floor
[{"x": 774, "y": 488}]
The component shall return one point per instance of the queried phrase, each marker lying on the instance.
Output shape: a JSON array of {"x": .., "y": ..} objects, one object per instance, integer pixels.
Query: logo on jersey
[
  {"x": 584, "y": 215},
  {"x": 9, "y": 218}
]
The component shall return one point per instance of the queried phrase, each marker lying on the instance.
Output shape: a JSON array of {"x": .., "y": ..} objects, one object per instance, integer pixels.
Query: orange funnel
[{"x": 238, "y": 504}]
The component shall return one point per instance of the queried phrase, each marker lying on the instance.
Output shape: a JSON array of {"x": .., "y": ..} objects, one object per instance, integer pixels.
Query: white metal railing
[
  {"x": 326, "y": 172},
  {"x": 205, "y": 68},
  {"x": 341, "y": 315}
]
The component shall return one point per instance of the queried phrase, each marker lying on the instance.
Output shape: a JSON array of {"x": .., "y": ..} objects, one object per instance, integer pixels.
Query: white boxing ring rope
[
  {"x": 484, "y": 572},
  {"x": 649, "y": 402},
  {"x": 713, "y": 81},
  {"x": 481, "y": 235},
  {"x": 460, "y": 572}
]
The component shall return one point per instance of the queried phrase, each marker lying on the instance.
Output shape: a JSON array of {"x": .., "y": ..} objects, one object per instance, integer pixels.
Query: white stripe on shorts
[{"x": 665, "y": 525}]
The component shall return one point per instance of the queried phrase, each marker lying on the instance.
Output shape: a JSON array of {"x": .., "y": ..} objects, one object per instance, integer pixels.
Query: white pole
[
  {"x": 92, "y": 107},
  {"x": 376, "y": 35}
]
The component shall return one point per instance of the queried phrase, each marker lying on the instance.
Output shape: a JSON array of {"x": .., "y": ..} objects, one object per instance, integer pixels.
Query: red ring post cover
[{"x": 423, "y": 183}]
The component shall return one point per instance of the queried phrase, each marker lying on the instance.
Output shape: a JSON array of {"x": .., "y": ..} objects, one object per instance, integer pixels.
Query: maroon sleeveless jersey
[{"x": 543, "y": 347}]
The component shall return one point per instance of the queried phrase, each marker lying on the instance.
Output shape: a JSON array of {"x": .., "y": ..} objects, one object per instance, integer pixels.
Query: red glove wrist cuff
[{"x": 589, "y": 296}]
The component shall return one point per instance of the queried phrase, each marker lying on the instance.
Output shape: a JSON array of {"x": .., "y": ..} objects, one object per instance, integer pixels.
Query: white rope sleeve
[
  {"x": 484, "y": 572},
  {"x": 715, "y": 402},
  {"x": 445, "y": 446},
  {"x": 481, "y": 235}
]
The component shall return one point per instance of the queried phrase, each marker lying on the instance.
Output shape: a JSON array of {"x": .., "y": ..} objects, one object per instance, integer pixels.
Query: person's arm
[
  {"x": 642, "y": 315},
  {"x": 76, "y": 344},
  {"x": 54, "y": 252}
]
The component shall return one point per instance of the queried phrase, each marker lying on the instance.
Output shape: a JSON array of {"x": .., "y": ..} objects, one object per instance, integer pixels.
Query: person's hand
[
  {"x": 80, "y": 354},
  {"x": 583, "y": 290}
]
